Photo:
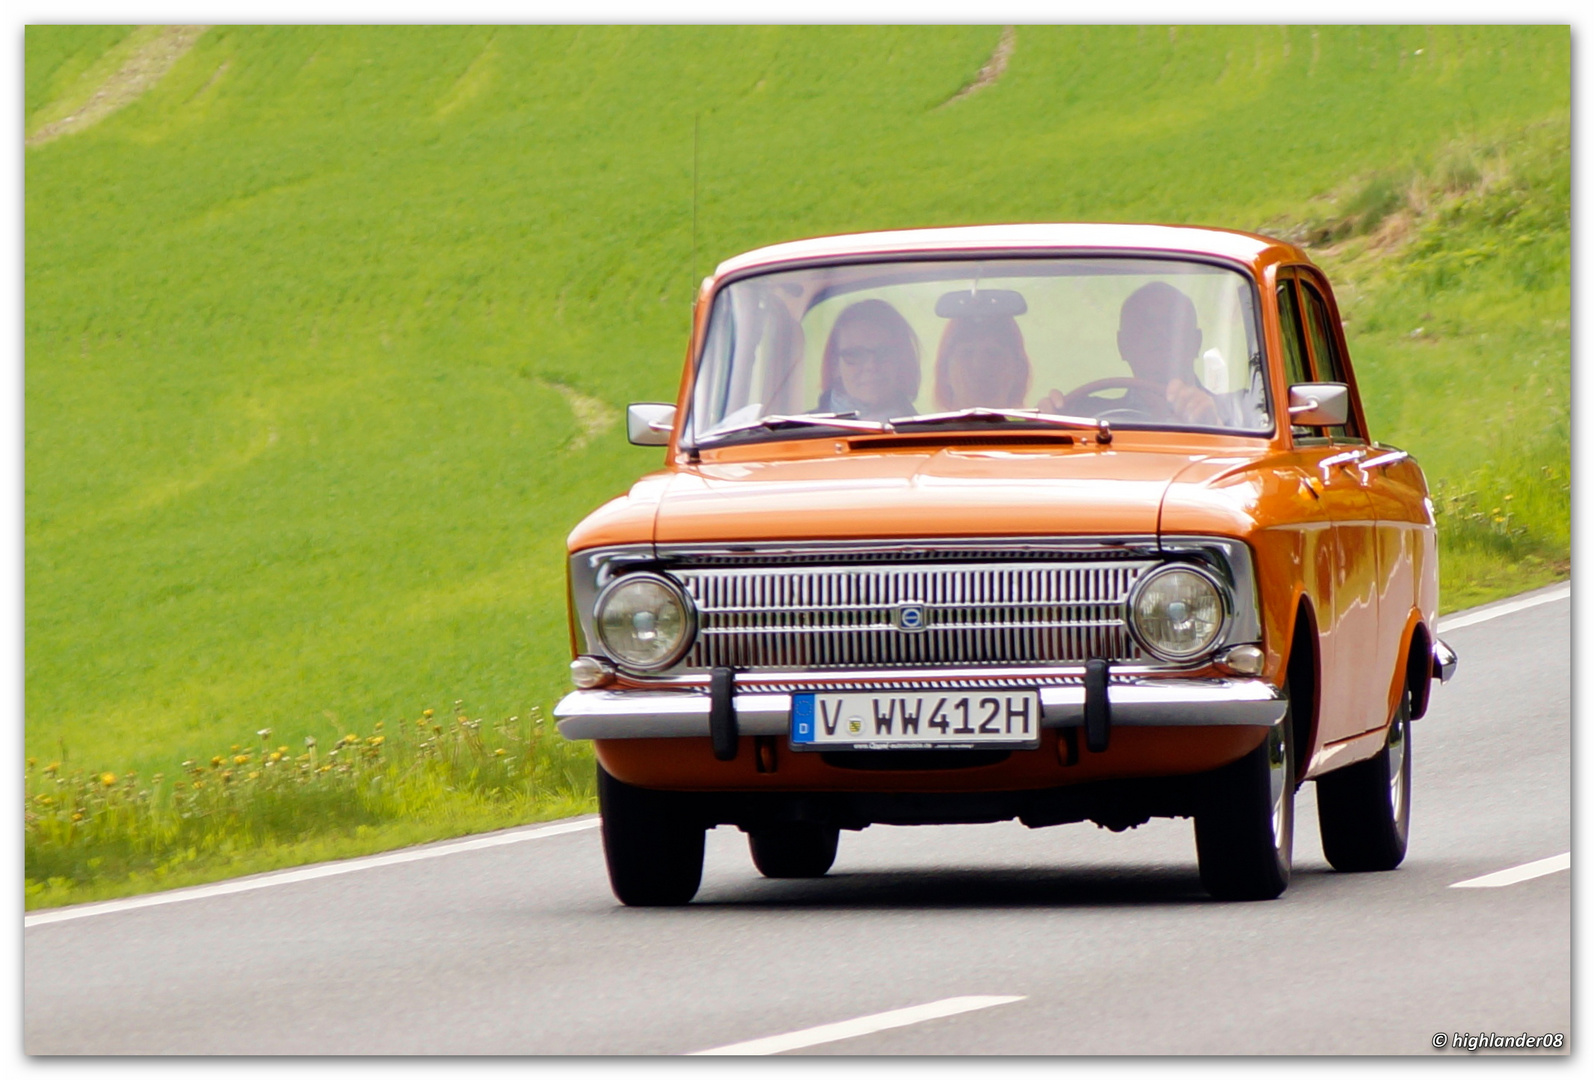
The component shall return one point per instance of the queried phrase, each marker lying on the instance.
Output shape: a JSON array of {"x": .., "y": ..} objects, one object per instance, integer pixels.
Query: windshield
[{"x": 1140, "y": 343}]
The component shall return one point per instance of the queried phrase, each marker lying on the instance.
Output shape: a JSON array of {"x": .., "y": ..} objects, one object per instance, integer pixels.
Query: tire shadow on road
[{"x": 969, "y": 887}]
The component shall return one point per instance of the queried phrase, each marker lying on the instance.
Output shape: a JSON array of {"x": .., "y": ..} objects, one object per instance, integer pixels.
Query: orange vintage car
[{"x": 1049, "y": 522}]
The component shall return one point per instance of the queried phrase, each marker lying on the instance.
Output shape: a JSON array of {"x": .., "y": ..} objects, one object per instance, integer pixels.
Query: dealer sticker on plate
[{"x": 895, "y": 721}]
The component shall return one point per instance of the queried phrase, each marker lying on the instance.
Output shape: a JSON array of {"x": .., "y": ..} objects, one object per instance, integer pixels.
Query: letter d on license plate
[{"x": 896, "y": 721}]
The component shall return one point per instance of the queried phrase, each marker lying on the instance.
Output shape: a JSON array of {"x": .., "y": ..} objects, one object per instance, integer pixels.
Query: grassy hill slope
[{"x": 310, "y": 325}]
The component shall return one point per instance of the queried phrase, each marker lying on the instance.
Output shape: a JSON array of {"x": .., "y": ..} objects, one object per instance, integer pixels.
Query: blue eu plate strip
[{"x": 802, "y": 718}]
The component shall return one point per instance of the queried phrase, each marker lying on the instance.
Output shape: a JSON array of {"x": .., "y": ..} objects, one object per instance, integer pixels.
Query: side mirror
[
  {"x": 1319, "y": 404},
  {"x": 650, "y": 423}
]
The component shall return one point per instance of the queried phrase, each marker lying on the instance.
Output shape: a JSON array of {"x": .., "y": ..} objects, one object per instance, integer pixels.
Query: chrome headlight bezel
[
  {"x": 1206, "y": 649},
  {"x": 689, "y": 620}
]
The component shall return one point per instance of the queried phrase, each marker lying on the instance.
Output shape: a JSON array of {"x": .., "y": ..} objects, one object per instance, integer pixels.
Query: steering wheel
[{"x": 1082, "y": 400}]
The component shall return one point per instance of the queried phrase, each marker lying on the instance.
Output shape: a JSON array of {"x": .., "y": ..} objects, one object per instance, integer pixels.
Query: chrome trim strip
[
  {"x": 654, "y": 714},
  {"x": 850, "y": 679}
]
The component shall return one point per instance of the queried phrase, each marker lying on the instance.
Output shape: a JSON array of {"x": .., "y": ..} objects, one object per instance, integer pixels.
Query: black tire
[
  {"x": 1246, "y": 823},
  {"x": 653, "y": 850},
  {"x": 793, "y": 851},
  {"x": 1364, "y": 809}
]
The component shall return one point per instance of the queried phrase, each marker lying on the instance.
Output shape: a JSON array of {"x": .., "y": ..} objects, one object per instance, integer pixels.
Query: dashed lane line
[
  {"x": 309, "y": 873},
  {"x": 863, "y": 1025},
  {"x": 1515, "y": 874}
]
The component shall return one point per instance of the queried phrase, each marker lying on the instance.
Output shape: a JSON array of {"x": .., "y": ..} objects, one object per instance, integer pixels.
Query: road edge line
[
  {"x": 1505, "y": 607},
  {"x": 308, "y": 873}
]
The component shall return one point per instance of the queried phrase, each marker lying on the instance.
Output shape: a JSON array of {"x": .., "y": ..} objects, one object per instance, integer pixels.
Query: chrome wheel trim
[
  {"x": 1396, "y": 767},
  {"x": 1279, "y": 790}
]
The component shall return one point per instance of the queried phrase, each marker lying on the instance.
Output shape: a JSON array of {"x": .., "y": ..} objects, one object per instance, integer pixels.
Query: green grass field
[{"x": 314, "y": 322}]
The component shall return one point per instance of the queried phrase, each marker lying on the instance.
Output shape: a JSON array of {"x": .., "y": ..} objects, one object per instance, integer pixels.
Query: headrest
[{"x": 981, "y": 304}]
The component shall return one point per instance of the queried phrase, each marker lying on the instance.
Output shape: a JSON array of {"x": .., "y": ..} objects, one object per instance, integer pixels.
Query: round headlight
[
  {"x": 644, "y": 621},
  {"x": 1177, "y": 612}
]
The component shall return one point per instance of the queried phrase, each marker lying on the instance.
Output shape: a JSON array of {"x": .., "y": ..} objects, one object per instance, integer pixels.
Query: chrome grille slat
[{"x": 813, "y": 617}]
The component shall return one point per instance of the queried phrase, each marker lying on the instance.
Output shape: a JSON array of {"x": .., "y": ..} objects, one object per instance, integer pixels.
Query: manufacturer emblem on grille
[{"x": 909, "y": 617}]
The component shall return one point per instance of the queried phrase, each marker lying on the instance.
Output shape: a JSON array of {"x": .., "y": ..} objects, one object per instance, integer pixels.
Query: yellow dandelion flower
[
  {"x": 282, "y": 749},
  {"x": 427, "y": 713},
  {"x": 499, "y": 752},
  {"x": 199, "y": 783},
  {"x": 255, "y": 775},
  {"x": 54, "y": 766},
  {"x": 31, "y": 763},
  {"x": 108, "y": 778},
  {"x": 227, "y": 774},
  {"x": 77, "y": 815},
  {"x": 239, "y": 759},
  {"x": 376, "y": 740},
  {"x": 276, "y": 755},
  {"x": 216, "y": 760},
  {"x": 45, "y": 800}
]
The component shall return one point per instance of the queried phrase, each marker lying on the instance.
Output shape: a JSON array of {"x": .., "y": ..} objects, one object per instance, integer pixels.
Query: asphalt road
[{"x": 1106, "y": 941}]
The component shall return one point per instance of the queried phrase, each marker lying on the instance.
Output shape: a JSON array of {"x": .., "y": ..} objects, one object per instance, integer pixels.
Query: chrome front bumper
[{"x": 679, "y": 714}]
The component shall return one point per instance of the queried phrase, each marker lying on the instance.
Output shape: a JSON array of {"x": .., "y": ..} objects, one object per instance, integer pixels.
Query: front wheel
[
  {"x": 1245, "y": 827},
  {"x": 1363, "y": 809},
  {"x": 793, "y": 851},
  {"x": 654, "y": 851}
]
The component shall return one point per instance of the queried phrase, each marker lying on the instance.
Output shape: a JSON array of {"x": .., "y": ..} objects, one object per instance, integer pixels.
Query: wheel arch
[
  {"x": 1303, "y": 672},
  {"x": 1417, "y": 660}
]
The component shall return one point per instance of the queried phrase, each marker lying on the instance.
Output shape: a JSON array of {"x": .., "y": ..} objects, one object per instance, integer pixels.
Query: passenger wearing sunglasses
[{"x": 871, "y": 364}]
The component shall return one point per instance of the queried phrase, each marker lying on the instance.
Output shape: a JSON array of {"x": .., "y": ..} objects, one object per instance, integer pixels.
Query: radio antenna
[{"x": 692, "y": 286}]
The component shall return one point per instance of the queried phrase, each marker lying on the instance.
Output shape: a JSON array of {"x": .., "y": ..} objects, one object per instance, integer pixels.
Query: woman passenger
[
  {"x": 871, "y": 364},
  {"x": 982, "y": 362}
]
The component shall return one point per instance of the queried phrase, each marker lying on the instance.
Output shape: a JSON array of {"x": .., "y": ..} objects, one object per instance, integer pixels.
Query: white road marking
[
  {"x": 864, "y": 1025},
  {"x": 1526, "y": 872},
  {"x": 1456, "y": 622},
  {"x": 309, "y": 873}
]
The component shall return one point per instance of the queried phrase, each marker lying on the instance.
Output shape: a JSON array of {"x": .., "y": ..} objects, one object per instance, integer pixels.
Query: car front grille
[{"x": 798, "y": 618}]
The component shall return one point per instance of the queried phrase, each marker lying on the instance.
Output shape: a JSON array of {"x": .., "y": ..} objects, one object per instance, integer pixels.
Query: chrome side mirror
[
  {"x": 650, "y": 423},
  {"x": 1319, "y": 404}
]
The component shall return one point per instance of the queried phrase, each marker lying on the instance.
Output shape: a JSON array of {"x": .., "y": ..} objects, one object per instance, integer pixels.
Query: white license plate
[{"x": 893, "y": 721}]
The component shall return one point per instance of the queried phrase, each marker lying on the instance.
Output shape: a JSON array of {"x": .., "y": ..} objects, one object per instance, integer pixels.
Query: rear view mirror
[
  {"x": 1322, "y": 404},
  {"x": 650, "y": 423}
]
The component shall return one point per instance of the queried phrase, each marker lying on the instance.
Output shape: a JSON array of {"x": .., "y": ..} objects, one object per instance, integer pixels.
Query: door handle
[
  {"x": 1346, "y": 458},
  {"x": 1383, "y": 459}
]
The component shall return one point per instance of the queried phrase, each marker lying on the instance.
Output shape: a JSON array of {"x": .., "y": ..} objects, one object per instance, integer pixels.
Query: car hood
[{"x": 943, "y": 492}]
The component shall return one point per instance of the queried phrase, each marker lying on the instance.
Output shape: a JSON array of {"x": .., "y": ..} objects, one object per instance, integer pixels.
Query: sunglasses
[{"x": 859, "y": 356}]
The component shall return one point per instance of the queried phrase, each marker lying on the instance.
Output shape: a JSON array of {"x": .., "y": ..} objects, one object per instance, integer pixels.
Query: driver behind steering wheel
[{"x": 1159, "y": 339}]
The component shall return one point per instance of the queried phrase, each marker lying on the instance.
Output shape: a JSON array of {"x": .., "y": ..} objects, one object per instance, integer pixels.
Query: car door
[
  {"x": 1357, "y": 570},
  {"x": 1348, "y": 614},
  {"x": 1392, "y": 484}
]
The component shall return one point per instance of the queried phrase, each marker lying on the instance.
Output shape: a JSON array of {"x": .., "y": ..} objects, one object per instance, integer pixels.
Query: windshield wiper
[
  {"x": 981, "y": 414},
  {"x": 845, "y": 421}
]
